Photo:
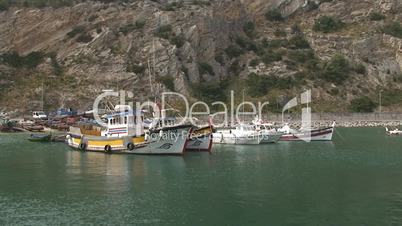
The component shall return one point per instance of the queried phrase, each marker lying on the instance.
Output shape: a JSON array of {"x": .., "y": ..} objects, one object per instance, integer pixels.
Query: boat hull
[
  {"x": 315, "y": 135},
  {"x": 270, "y": 138},
  {"x": 171, "y": 141},
  {"x": 229, "y": 138},
  {"x": 200, "y": 140}
]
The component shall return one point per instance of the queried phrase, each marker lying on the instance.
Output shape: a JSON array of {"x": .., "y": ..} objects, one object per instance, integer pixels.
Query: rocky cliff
[{"x": 273, "y": 48}]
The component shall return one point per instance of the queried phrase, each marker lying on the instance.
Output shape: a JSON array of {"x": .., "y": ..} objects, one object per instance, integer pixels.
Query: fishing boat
[
  {"x": 395, "y": 132},
  {"x": 40, "y": 137},
  {"x": 321, "y": 134},
  {"x": 267, "y": 131},
  {"x": 124, "y": 134},
  {"x": 200, "y": 139},
  {"x": 241, "y": 134}
]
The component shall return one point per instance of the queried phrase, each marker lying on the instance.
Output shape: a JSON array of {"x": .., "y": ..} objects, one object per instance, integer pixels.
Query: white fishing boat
[
  {"x": 242, "y": 134},
  {"x": 124, "y": 134},
  {"x": 321, "y": 134},
  {"x": 200, "y": 139},
  {"x": 395, "y": 132},
  {"x": 267, "y": 131}
]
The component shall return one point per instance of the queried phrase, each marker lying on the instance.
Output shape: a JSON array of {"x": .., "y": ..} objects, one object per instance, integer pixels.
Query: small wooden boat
[
  {"x": 200, "y": 140},
  {"x": 40, "y": 138},
  {"x": 321, "y": 134},
  {"x": 395, "y": 132}
]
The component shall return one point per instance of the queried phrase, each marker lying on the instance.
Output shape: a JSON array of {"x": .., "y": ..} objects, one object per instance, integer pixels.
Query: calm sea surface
[{"x": 354, "y": 180}]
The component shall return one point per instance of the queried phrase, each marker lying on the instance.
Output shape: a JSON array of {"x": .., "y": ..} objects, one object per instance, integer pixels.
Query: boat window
[{"x": 125, "y": 120}]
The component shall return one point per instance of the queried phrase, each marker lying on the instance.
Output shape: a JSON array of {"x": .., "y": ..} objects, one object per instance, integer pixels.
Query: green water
[{"x": 354, "y": 180}]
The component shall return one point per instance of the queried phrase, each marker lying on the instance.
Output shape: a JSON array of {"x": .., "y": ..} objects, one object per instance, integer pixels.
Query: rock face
[{"x": 145, "y": 45}]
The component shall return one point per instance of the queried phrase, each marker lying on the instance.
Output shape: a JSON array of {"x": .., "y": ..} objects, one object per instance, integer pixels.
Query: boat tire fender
[
  {"x": 82, "y": 146},
  {"x": 108, "y": 149},
  {"x": 130, "y": 146}
]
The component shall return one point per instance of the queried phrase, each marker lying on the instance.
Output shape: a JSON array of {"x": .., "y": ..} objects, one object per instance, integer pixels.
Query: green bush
[
  {"x": 376, "y": 16},
  {"x": 258, "y": 86},
  {"x": 362, "y": 104},
  {"x": 4, "y": 4},
  {"x": 136, "y": 68},
  {"x": 76, "y": 30},
  {"x": 139, "y": 24},
  {"x": 274, "y": 43},
  {"x": 328, "y": 24},
  {"x": 394, "y": 29},
  {"x": 84, "y": 38},
  {"x": 360, "y": 69},
  {"x": 301, "y": 56},
  {"x": 178, "y": 40},
  {"x": 57, "y": 69},
  {"x": 249, "y": 29},
  {"x": 274, "y": 15},
  {"x": 219, "y": 58},
  {"x": 233, "y": 51},
  {"x": 391, "y": 97},
  {"x": 164, "y": 31},
  {"x": 168, "y": 82},
  {"x": 299, "y": 42},
  {"x": 271, "y": 56},
  {"x": 337, "y": 70},
  {"x": 254, "y": 62},
  {"x": 234, "y": 68},
  {"x": 280, "y": 32},
  {"x": 210, "y": 91},
  {"x": 30, "y": 61},
  {"x": 205, "y": 68}
]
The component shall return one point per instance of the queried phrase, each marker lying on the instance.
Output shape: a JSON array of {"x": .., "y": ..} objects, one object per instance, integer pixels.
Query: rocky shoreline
[{"x": 350, "y": 124}]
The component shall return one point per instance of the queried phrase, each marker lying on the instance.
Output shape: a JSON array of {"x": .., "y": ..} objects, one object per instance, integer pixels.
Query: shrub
[
  {"x": 274, "y": 43},
  {"x": 392, "y": 96},
  {"x": 136, "y": 68},
  {"x": 299, "y": 42},
  {"x": 328, "y": 24},
  {"x": 84, "y": 38},
  {"x": 233, "y": 51},
  {"x": 394, "y": 29},
  {"x": 76, "y": 30},
  {"x": 139, "y": 24},
  {"x": 360, "y": 69},
  {"x": 337, "y": 70},
  {"x": 258, "y": 86},
  {"x": 254, "y": 62},
  {"x": 376, "y": 16},
  {"x": 280, "y": 32},
  {"x": 274, "y": 15},
  {"x": 205, "y": 68},
  {"x": 249, "y": 29},
  {"x": 178, "y": 40},
  {"x": 301, "y": 56},
  {"x": 235, "y": 68},
  {"x": 164, "y": 31},
  {"x": 219, "y": 58},
  {"x": 4, "y": 4},
  {"x": 57, "y": 69},
  {"x": 362, "y": 104},
  {"x": 30, "y": 61},
  {"x": 271, "y": 56},
  {"x": 167, "y": 81},
  {"x": 209, "y": 91}
]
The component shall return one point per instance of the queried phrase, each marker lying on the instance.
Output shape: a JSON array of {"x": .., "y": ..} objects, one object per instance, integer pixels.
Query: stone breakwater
[{"x": 349, "y": 124}]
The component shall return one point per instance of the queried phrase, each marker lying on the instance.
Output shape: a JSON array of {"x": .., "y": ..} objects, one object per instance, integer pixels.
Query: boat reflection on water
[{"x": 119, "y": 173}]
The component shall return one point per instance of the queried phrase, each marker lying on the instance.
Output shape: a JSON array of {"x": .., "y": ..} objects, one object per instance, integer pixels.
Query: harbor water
[{"x": 354, "y": 180}]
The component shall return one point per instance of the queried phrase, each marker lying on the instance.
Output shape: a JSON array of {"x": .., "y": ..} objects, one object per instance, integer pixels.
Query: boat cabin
[{"x": 124, "y": 124}]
